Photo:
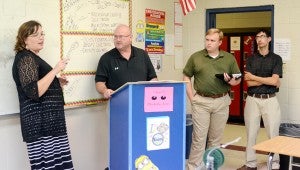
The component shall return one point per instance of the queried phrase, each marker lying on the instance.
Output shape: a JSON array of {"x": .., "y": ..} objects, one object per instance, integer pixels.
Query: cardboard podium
[{"x": 147, "y": 126}]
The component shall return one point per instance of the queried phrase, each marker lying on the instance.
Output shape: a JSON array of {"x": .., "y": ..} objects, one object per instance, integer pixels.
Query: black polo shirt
[
  {"x": 116, "y": 70},
  {"x": 264, "y": 66}
]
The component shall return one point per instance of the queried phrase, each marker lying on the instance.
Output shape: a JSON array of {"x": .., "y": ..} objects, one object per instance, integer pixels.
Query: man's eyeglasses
[
  {"x": 116, "y": 37},
  {"x": 37, "y": 35},
  {"x": 260, "y": 37}
]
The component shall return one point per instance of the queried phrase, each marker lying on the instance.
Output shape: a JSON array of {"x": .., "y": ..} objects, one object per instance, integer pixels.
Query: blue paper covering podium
[{"x": 147, "y": 126}]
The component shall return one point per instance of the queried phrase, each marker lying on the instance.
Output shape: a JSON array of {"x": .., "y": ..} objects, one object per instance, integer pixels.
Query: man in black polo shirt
[
  {"x": 263, "y": 72},
  {"x": 124, "y": 63}
]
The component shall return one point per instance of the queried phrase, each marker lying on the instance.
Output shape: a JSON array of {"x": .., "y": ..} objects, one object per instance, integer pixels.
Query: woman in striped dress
[{"x": 41, "y": 101}]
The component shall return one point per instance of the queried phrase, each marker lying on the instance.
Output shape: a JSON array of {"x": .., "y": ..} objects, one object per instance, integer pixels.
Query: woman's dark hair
[{"x": 26, "y": 29}]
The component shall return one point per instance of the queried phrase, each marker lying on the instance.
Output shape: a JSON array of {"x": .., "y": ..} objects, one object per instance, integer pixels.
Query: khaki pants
[
  {"x": 269, "y": 110},
  {"x": 209, "y": 120}
]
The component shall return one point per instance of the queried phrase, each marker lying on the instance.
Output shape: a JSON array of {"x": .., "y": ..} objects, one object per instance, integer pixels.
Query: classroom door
[
  {"x": 241, "y": 46},
  {"x": 248, "y": 50}
]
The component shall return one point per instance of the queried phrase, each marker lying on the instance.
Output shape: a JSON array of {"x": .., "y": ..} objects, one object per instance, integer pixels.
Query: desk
[{"x": 280, "y": 145}]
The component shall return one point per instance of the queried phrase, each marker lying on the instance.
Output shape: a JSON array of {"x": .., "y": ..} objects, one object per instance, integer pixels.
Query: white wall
[{"x": 138, "y": 13}]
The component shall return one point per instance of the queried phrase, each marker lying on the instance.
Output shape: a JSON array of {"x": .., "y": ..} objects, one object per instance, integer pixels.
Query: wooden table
[{"x": 281, "y": 145}]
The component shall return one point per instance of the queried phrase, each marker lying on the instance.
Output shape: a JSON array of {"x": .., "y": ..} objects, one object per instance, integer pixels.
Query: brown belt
[
  {"x": 262, "y": 96},
  {"x": 213, "y": 95}
]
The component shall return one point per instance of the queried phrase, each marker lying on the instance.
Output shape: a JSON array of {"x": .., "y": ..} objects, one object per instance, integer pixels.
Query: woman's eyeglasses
[{"x": 37, "y": 35}]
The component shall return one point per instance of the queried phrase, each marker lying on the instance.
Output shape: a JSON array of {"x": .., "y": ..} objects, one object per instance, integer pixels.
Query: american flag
[{"x": 187, "y": 5}]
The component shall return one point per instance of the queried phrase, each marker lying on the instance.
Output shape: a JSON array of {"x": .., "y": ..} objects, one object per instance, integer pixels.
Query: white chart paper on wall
[
  {"x": 71, "y": 31},
  {"x": 12, "y": 15}
]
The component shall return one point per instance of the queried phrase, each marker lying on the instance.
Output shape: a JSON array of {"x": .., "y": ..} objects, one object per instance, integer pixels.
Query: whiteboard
[
  {"x": 94, "y": 16},
  {"x": 84, "y": 51},
  {"x": 69, "y": 25},
  {"x": 12, "y": 15},
  {"x": 86, "y": 34}
]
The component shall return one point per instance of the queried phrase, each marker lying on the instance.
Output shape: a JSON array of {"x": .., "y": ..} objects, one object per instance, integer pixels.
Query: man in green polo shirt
[{"x": 210, "y": 103}]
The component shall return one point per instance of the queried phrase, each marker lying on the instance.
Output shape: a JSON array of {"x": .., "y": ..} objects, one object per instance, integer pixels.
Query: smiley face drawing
[
  {"x": 144, "y": 163},
  {"x": 158, "y": 99}
]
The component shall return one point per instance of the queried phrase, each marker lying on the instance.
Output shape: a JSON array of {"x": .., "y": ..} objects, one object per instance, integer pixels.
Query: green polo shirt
[{"x": 203, "y": 68}]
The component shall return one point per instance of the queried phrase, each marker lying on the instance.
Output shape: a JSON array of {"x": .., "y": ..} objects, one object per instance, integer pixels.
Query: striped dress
[
  {"x": 50, "y": 153},
  {"x": 42, "y": 118}
]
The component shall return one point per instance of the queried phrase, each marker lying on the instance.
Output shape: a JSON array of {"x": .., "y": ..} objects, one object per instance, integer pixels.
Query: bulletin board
[
  {"x": 86, "y": 34},
  {"x": 77, "y": 29}
]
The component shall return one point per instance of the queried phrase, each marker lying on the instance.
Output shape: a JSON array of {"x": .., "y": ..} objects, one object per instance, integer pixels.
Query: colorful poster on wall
[{"x": 155, "y": 31}]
